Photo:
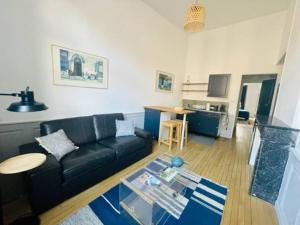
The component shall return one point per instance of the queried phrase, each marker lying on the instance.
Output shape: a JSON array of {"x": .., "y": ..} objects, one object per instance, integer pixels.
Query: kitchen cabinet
[
  {"x": 202, "y": 122},
  {"x": 152, "y": 122}
]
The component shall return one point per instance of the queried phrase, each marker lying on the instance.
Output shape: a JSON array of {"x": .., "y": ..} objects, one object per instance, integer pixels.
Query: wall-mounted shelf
[
  {"x": 194, "y": 90},
  {"x": 188, "y": 83}
]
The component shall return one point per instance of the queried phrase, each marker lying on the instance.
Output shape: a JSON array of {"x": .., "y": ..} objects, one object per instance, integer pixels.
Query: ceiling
[{"x": 219, "y": 13}]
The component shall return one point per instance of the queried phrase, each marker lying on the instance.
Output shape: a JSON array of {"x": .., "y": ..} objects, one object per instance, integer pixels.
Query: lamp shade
[
  {"x": 27, "y": 107},
  {"x": 194, "y": 20},
  {"x": 27, "y": 103}
]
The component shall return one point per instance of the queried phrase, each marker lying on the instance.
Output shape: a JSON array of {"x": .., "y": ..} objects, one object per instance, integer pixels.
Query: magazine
[
  {"x": 168, "y": 174},
  {"x": 141, "y": 181}
]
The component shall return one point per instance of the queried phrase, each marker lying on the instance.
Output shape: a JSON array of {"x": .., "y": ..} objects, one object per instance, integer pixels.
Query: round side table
[
  {"x": 19, "y": 164},
  {"x": 22, "y": 163}
]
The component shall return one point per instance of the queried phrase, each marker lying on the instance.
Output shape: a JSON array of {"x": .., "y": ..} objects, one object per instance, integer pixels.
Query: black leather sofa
[{"x": 99, "y": 156}]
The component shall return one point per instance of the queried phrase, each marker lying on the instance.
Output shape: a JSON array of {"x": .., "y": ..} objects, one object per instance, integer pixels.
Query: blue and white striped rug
[{"x": 205, "y": 207}]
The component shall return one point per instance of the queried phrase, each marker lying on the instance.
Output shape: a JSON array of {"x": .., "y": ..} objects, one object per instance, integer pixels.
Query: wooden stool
[
  {"x": 170, "y": 125},
  {"x": 185, "y": 129}
]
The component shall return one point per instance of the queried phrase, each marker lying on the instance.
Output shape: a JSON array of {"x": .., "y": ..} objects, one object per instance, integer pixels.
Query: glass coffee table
[{"x": 152, "y": 193}]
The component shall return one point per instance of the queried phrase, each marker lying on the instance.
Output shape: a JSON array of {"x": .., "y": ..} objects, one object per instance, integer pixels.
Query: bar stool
[
  {"x": 185, "y": 129},
  {"x": 172, "y": 126}
]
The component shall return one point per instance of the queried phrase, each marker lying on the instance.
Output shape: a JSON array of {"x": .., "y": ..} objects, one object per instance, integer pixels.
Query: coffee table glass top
[{"x": 156, "y": 189}]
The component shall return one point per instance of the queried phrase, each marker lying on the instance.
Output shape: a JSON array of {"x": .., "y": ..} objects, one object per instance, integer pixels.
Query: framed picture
[
  {"x": 164, "y": 82},
  {"x": 75, "y": 68}
]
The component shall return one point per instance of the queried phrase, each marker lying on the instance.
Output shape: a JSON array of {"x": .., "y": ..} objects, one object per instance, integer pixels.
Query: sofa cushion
[
  {"x": 124, "y": 145},
  {"x": 87, "y": 158},
  {"x": 80, "y": 129},
  {"x": 105, "y": 125}
]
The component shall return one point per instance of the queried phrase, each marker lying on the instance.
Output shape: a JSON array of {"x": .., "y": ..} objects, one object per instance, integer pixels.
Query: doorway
[{"x": 256, "y": 98}]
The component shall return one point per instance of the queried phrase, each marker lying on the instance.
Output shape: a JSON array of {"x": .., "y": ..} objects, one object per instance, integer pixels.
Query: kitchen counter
[
  {"x": 204, "y": 122},
  {"x": 168, "y": 109},
  {"x": 208, "y": 111},
  {"x": 155, "y": 115}
]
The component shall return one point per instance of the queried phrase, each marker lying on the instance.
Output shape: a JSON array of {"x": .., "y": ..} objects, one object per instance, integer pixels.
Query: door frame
[
  {"x": 266, "y": 94},
  {"x": 258, "y": 78}
]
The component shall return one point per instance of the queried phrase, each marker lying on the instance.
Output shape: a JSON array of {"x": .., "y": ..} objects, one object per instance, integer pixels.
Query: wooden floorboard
[{"x": 225, "y": 162}]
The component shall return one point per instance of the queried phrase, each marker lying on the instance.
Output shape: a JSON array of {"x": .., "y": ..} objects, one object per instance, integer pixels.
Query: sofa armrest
[
  {"x": 142, "y": 133},
  {"x": 32, "y": 148},
  {"x": 147, "y": 138},
  {"x": 44, "y": 183},
  {"x": 50, "y": 166}
]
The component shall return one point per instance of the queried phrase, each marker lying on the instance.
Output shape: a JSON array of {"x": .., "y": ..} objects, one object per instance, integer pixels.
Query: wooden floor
[{"x": 224, "y": 162}]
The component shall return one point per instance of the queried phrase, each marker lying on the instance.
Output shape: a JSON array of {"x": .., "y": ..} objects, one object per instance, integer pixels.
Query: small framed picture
[
  {"x": 164, "y": 82},
  {"x": 76, "y": 68}
]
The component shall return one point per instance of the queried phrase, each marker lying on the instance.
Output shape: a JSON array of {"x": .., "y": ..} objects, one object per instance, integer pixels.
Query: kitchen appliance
[
  {"x": 214, "y": 108},
  {"x": 201, "y": 107},
  {"x": 223, "y": 108},
  {"x": 207, "y": 106}
]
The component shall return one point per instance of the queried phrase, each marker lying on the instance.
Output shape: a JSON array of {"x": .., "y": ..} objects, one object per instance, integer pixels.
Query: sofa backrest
[
  {"x": 105, "y": 125},
  {"x": 79, "y": 129}
]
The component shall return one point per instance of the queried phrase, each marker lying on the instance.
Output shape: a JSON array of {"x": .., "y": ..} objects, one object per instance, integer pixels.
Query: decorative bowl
[{"x": 176, "y": 161}]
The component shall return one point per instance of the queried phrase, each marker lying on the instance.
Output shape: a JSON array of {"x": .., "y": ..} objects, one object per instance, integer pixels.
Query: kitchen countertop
[
  {"x": 208, "y": 111},
  {"x": 169, "y": 109},
  {"x": 273, "y": 122}
]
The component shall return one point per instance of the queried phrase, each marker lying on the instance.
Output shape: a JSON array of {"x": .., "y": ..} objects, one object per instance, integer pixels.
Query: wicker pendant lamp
[{"x": 194, "y": 20}]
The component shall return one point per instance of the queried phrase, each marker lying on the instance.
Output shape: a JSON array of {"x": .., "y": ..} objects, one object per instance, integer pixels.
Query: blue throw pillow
[{"x": 124, "y": 128}]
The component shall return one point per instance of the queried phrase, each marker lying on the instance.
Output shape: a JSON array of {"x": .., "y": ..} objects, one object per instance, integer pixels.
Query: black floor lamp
[{"x": 27, "y": 104}]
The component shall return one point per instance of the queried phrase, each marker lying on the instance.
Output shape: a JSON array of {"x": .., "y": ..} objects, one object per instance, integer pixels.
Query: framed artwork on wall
[
  {"x": 164, "y": 82},
  {"x": 76, "y": 68}
]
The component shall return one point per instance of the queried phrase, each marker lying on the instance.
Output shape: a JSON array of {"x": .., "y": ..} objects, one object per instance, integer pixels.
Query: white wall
[
  {"x": 136, "y": 40},
  {"x": 289, "y": 87},
  {"x": 287, "y": 29},
  {"x": 288, "y": 110},
  {"x": 288, "y": 205},
  {"x": 250, "y": 47},
  {"x": 252, "y": 97}
]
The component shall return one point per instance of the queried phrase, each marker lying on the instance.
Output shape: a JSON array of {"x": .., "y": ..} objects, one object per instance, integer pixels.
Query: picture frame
[
  {"x": 164, "y": 82},
  {"x": 78, "y": 69}
]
